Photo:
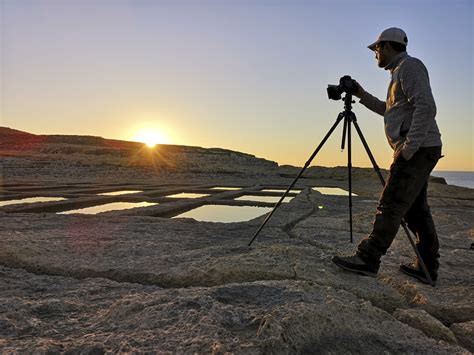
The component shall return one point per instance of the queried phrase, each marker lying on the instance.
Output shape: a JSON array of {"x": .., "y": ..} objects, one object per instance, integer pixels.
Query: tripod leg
[
  {"x": 404, "y": 225},
  {"x": 349, "y": 169},
  {"x": 339, "y": 118},
  {"x": 369, "y": 153},
  {"x": 344, "y": 129}
]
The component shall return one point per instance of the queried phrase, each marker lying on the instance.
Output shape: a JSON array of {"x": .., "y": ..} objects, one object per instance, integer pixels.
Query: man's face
[{"x": 381, "y": 55}]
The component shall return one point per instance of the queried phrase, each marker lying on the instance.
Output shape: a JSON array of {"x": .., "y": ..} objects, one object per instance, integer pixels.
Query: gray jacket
[{"x": 409, "y": 112}]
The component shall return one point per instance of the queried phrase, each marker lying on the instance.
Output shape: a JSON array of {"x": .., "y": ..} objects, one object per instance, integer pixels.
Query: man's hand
[
  {"x": 398, "y": 155},
  {"x": 401, "y": 154},
  {"x": 359, "y": 90}
]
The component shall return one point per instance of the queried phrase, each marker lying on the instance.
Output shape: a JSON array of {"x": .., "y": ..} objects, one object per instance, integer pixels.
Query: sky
[{"x": 245, "y": 75}]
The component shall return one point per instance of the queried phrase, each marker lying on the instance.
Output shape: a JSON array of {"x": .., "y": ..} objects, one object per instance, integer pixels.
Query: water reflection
[
  {"x": 124, "y": 192},
  {"x": 332, "y": 191},
  {"x": 187, "y": 195},
  {"x": 270, "y": 199},
  {"x": 115, "y": 206},
  {"x": 31, "y": 200},
  {"x": 225, "y": 214}
]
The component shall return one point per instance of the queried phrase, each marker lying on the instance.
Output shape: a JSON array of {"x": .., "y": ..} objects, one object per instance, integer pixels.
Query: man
[{"x": 410, "y": 126}]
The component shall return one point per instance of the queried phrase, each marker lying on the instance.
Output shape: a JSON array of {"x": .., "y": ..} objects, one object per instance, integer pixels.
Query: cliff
[{"x": 24, "y": 153}]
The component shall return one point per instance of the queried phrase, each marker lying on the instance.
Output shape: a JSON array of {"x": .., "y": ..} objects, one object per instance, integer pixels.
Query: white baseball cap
[{"x": 391, "y": 34}]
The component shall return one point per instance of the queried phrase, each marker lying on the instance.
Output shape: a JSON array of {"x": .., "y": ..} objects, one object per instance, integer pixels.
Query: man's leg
[
  {"x": 404, "y": 184},
  {"x": 421, "y": 223}
]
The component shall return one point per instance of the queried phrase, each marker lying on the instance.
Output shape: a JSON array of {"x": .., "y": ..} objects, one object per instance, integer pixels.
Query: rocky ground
[{"x": 141, "y": 281}]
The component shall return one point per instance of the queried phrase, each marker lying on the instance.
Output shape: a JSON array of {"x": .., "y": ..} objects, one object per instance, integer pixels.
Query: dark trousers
[{"x": 405, "y": 196}]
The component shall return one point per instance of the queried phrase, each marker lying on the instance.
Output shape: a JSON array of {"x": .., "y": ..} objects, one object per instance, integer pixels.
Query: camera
[{"x": 346, "y": 84}]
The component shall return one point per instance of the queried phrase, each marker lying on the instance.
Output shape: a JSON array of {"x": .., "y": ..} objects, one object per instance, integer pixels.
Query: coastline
[{"x": 457, "y": 178}]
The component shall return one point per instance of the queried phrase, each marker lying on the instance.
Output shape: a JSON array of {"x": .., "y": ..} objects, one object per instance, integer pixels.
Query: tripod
[{"x": 349, "y": 118}]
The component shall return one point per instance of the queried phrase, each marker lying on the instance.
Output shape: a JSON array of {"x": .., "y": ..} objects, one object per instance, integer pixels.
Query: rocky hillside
[{"x": 51, "y": 152}]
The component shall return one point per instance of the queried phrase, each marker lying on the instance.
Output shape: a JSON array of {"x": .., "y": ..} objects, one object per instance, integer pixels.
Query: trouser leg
[
  {"x": 421, "y": 223},
  {"x": 405, "y": 182}
]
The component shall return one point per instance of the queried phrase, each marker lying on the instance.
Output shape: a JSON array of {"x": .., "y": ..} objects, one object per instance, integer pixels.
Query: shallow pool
[
  {"x": 115, "y": 193},
  {"x": 31, "y": 200},
  {"x": 224, "y": 214},
  {"x": 270, "y": 199},
  {"x": 187, "y": 195},
  {"x": 115, "y": 206},
  {"x": 333, "y": 191}
]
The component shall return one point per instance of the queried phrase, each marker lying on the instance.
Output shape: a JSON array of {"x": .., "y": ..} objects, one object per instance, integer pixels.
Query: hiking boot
[
  {"x": 355, "y": 263},
  {"x": 414, "y": 270}
]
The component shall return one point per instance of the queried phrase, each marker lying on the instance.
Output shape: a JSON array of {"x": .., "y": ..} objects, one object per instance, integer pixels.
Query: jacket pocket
[{"x": 434, "y": 153}]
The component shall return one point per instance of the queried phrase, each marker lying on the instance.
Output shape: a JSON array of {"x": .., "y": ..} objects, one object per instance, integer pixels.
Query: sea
[{"x": 458, "y": 178}]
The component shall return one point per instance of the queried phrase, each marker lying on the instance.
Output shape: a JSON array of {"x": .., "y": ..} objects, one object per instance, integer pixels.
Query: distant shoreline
[{"x": 457, "y": 178}]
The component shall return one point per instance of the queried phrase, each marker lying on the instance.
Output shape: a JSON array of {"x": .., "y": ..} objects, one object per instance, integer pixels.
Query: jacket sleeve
[
  {"x": 415, "y": 85},
  {"x": 373, "y": 104}
]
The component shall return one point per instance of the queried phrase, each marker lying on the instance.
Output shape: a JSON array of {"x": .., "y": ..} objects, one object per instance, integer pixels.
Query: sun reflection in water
[
  {"x": 332, "y": 191},
  {"x": 115, "y": 206},
  {"x": 31, "y": 200},
  {"x": 270, "y": 199},
  {"x": 225, "y": 214}
]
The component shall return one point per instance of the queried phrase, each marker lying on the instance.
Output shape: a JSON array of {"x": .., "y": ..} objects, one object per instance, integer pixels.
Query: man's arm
[
  {"x": 372, "y": 103},
  {"x": 415, "y": 84},
  {"x": 369, "y": 101}
]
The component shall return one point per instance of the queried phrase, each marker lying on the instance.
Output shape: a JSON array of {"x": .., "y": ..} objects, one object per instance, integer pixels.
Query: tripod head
[{"x": 348, "y": 102}]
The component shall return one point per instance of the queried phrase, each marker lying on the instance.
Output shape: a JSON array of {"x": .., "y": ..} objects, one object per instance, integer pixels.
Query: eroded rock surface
[
  {"x": 420, "y": 319},
  {"x": 52, "y": 314},
  {"x": 139, "y": 280},
  {"x": 464, "y": 333}
]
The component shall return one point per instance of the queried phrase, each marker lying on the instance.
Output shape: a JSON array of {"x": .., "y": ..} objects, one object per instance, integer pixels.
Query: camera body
[{"x": 346, "y": 84}]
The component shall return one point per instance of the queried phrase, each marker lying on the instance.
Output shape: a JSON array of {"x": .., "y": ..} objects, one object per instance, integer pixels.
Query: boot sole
[
  {"x": 360, "y": 272},
  {"x": 418, "y": 277}
]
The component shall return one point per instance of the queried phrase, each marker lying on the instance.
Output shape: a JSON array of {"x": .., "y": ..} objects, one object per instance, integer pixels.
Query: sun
[{"x": 151, "y": 137}]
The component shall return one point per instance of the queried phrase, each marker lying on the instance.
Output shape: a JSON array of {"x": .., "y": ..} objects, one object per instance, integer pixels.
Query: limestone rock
[
  {"x": 140, "y": 281},
  {"x": 278, "y": 317},
  {"x": 464, "y": 333},
  {"x": 420, "y": 319},
  {"x": 53, "y": 153}
]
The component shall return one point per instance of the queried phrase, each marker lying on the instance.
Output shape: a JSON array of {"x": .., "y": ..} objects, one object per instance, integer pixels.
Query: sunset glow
[
  {"x": 151, "y": 137},
  {"x": 171, "y": 72}
]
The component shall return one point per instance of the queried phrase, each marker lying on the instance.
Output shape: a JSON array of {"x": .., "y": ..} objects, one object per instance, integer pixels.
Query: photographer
[{"x": 410, "y": 126}]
